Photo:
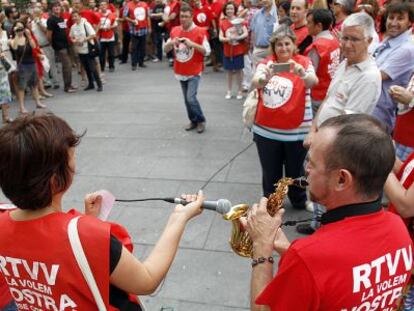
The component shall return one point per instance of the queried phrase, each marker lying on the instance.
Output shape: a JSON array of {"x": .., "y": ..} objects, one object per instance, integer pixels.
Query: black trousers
[
  {"x": 89, "y": 65},
  {"x": 274, "y": 155},
  {"x": 107, "y": 48},
  {"x": 126, "y": 38},
  {"x": 138, "y": 49},
  {"x": 157, "y": 41}
]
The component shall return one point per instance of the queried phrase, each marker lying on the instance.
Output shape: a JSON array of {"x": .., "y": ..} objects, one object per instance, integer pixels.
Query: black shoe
[
  {"x": 134, "y": 68},
  {"x": 89, "y": 87},
  {"x": 99, "y": 89},
  {"x": 111, "y": 69},
  {"x": 305, "y": 229},
  {"x": 142, "y": 65},
  {"x": 190, "y": 126},
  {"x": 122, "y": 62},
  {"x": 56, "y": 86}
]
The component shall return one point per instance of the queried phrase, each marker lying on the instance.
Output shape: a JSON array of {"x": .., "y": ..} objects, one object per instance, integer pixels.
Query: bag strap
[{"x": 82, "y": 261}]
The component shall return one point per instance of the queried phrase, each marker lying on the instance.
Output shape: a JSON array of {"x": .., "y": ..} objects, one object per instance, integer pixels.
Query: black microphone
[{"x": 221, "y": 206}]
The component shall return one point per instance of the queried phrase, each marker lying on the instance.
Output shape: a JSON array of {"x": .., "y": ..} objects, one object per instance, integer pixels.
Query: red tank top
[
  {"x": 139, "y": 12},
  {"x": 188, "y": 61},
  {"x": 51, "y": 279},
  {"x": 282, "y": 100},
  {"x": 404, "y": 125},
  {"x": 233, "y": 48},
  {"x": 329, "y": 53}
]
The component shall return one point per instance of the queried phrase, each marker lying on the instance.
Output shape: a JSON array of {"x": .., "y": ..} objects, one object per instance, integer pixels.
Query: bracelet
[{"x": 255, "y": 262}]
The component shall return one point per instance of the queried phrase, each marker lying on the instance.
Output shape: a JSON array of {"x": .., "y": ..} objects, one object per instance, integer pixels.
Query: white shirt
[
  {"x": 77, "y": 31},
  {"x": 353, "y": 89}
]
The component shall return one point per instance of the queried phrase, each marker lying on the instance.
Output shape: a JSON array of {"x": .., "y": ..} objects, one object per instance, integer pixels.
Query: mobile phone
[{"x": 280, "y": 67}]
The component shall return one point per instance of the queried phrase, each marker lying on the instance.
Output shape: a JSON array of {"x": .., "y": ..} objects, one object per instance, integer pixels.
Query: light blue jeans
[{"x": 190, "y": 88}]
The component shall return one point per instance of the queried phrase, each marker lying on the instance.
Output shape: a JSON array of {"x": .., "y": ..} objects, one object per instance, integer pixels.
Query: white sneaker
[
  {"x": 228, "y": 95},
  {"x": 309, "y": 206},
  {"x": 239, "y": 96},
  {"x": 155, "y": 60}
]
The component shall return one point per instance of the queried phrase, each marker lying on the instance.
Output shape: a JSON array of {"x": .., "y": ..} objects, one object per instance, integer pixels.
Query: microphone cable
[{"x": 202, "y": 187}]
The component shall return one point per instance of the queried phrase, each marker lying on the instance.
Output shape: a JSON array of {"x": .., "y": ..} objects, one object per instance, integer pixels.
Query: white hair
[{"x": 361, "y": 19}]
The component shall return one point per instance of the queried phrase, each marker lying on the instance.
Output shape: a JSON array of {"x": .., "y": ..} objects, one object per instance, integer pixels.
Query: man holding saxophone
[{"x": 361, "y": 257}]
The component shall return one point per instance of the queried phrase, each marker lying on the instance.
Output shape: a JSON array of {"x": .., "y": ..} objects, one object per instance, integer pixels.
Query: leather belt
[{"x": 262, "y": 46}]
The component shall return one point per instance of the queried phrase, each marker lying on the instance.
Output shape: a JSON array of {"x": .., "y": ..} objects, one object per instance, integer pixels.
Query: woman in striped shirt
[{"x": 284, "y": 113}]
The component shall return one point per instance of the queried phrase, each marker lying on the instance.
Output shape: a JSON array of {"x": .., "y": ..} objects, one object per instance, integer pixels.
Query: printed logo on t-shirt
[
  {"x": 407, "y": 171},
  {"x": 231, "y": 33},
  {"x": 334, "y": 61},
  {"x": 167, "y": 10},
  {"x": 183, "y": 53},
  {"x": 62, "y": 25},
  {"x": 277, "y": 92},
  {"x": 139, "y": 14},
  {"x": 379, "y": 282},
  {"x": 201, "y": 17},
  {"x": 105, "y": 22}
]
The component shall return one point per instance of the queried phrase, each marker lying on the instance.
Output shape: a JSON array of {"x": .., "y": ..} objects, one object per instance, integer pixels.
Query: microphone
[{"x": 221, "y": 206}]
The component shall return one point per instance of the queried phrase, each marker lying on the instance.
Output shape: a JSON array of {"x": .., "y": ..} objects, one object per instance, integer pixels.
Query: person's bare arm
[{"x": 140, "y": 278}]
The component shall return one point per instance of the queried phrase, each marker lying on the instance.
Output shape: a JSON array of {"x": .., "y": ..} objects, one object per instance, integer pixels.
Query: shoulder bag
[
  {"x": 93, "y": 47},
  {"x": 250, "y": 108},
  {"x": 82, "y": 261}
]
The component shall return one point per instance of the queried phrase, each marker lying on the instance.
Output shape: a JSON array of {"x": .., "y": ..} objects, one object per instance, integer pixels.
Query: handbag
[
  {"x": 82, "y": 261},
  {"x": 250, "y": 108},
  {"x": 6, "y": 65},
  {"x": 93, "y": 47}
]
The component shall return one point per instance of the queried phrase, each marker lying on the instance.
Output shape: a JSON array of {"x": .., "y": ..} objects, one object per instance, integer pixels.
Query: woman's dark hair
[
  {"x": 286, "y": 6},
  {"x": 226, "y": 5},
  {"x": 34, "y": 151},
  {"x": 13, "y": 32},
  {"x": 363, "y": 147}
]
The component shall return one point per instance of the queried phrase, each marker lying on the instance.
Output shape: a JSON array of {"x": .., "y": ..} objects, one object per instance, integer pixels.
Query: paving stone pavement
[{"x": 135, "y": 147}]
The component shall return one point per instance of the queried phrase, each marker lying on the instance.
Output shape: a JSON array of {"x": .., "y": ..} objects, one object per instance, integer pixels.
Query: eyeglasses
[{"x": 353, "y": 40}]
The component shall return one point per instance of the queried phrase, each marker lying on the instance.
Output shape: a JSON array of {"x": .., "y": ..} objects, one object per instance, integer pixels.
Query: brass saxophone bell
[{"x": 240, "y": 241}]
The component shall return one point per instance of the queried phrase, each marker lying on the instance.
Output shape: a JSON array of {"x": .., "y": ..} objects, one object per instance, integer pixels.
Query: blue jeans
[
  {"x": 10, "y": 307},
  {"x": 190, "y": 87}
]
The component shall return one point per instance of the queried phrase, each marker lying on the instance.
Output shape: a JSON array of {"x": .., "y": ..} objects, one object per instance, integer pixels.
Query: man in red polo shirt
[{"x": 190, "y": 45}]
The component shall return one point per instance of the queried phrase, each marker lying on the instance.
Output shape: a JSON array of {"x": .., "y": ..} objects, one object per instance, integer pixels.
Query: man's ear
[{"x": 344, "y": 180}]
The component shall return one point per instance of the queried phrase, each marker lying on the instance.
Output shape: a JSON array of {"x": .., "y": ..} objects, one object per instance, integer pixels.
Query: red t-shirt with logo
[
  {"x": 203, "y": 16},
  {"x": 107, "y": 20},
  {"x": 139, "y": 12},
  {"x": 359, "y": 263},
  {"x": 232, "y": 48}
]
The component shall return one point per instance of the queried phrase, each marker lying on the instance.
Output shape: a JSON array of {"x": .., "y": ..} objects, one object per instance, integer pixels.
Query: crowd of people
[{"x": 335, "y": 98}]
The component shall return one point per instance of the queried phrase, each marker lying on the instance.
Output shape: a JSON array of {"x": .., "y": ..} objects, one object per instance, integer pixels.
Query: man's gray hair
[{"x": 361, "y": 19}]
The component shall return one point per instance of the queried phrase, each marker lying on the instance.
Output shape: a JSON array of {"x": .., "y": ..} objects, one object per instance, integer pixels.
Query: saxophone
[{"x": 240, "y": 240}]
